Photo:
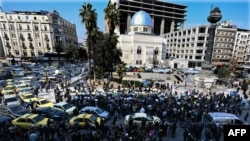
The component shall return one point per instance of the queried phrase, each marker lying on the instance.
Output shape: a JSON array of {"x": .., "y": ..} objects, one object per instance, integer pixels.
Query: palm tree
[
  {"x": 58, "y": 49},
  {"x": 112, "y": 15},
  {"x": 120, "y": 70},
  {"x": 89, "y": 18}
]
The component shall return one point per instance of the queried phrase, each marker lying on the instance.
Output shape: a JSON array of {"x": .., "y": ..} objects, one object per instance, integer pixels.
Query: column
[
  {"x": 128, "y": 22},
  {"x": 162, "y": 26},
  {"x": 172, "y": 25},
  {"x": 182, "y": 25},
  {"x": 153, "y": 20}
]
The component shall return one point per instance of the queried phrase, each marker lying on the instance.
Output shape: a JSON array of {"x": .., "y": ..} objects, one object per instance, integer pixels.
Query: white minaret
[{"x": 117, "y": 27}]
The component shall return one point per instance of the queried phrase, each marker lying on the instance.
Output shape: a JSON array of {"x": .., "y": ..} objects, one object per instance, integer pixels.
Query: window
[
  {"x": 27, "y": 17},
  {"x": 145, "y": 29},
  {"x": 34, "y": 18},
  {"x": 18, "y": 18},
  {"x": 17, "y": 52},
  {"x": 10, "y": 17},
  {"x": 13, "y": 35},
  {"x": 4, "y": 27},
  {"x": 12, "y": 26},
  {"x": 135, "y": 28},
  {"x": 139, "y": 50},
  {"x": 24, "y": 53},
  {"x": 45, "y": 27},
  {"x": 36, "y": 35},
  {"x": 138, "y": 62},
  {"x": 36, "y": 28},
  {"x": 28, "y": 27}
]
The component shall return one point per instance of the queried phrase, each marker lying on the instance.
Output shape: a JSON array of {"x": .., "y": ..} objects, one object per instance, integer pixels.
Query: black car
[
  {"x": 50, "y": 112},
  {"x": 14, "y": 110}
]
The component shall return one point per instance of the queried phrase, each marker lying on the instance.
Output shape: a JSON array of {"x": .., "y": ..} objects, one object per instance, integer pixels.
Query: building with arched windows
[{"x": 141, "y": 47}]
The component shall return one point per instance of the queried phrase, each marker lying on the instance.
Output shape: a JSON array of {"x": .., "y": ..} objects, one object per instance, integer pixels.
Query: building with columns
[
  {"x": 166, "y": 17},
  {"x": 30, "y": 34},
  {"x": 141, "y": 47}
]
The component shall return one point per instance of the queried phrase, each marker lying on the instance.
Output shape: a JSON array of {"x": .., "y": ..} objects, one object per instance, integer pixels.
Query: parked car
[
  {"x": 26, "y": 98},
  {"x": 162, "y": 70},
  {"x": 191, "y": 71},
  {"x": 96, "y": 111},
  {"x": 14, "y": 110},
  {"x": 41, "y": 102},
  {"x": 50, "y": 112},
  {"x": 83, "y": 118},
  {"x": 10, "y": 99},
  {"x": 5, "y": 119},
  {"x": 30, "y": 120},
  {"x": 68, "y": 108},
  {"x": 139, "y": 117}
]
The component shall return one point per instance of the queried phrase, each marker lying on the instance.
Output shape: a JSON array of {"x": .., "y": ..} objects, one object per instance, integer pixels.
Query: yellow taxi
[
  {"x": 9, "y": 81},
  {"x": 20, "y": 87},
  {"x": 41, "y": 102},
  {"x": 83, "y": 118},
  {"x": 27, "y": 97},
  {"x": 29, "y": 120},
  {"x": 8, "y": 88},
  {"x": 9, "y": 92}
]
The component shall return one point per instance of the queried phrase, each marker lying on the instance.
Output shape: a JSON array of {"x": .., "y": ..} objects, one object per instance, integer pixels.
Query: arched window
[
  {"x": 139, "y": 50},
  {"x": 156, "y": 51}
]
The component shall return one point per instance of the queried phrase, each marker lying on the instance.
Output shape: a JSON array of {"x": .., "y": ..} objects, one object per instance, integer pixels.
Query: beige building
[
  {"x": 30, "y": 34},
  {"x": 242, "y": 47},
  {"x": 140, "y": 47},
  {"x": 224, "y": 43},
  {"x": 187, "y": 44}
]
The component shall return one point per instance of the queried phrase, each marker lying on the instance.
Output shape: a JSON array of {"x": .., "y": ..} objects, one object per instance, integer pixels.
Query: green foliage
[
  {"x": 120, "y": 70},
  {"x": 129, "y": 83},
  {"x": 224, "y": 72}
]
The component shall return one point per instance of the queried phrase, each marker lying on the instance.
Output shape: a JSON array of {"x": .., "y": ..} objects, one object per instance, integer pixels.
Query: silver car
[
  {"x": 139, "y": 117},
  {"x": 96, "y": 111}
]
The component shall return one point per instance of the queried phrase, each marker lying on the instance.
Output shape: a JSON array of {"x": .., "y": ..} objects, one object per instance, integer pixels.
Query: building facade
[
  {"x": 224, "y": 43},
  {"x": 187, "y": 44},
  {"x": 30, "y": 34},
  {"x": 242, "y": 48},
  {"x": 140, "y": 47},
  {"x": 166, "y": 17}
]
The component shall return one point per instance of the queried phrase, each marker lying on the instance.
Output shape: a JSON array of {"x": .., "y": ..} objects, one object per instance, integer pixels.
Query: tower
[{"x": 213, "y": 18}]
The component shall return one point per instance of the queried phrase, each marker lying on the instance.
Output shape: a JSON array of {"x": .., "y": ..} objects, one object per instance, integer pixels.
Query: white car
[
  {"x": 162, "y": 70},
  {"x": 68, "y": 108},
  {"x": 191, "y": 71},
  {"x": 139, "y": 117},
  {"x": 96, "y": 111}
]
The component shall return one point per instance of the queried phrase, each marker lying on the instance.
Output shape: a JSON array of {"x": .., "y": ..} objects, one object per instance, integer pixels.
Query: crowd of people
[{"x": 187, "y": 111}]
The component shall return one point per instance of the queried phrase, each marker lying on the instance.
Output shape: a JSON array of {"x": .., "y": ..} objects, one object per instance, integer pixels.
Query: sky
[{"x": 236, "y": 11}]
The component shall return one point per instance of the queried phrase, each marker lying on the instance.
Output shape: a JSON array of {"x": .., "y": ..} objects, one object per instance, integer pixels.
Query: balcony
[
  {"x": 22, "y": 38},
  {"x": 31, "y": 46},
  {"x": 46, "y": 39},
  {"x": 6, "y": 37},
  {"x": 30, "y": 39},
  {"x": 48, "y": 48},
  {"x": 8, "y": 45}
]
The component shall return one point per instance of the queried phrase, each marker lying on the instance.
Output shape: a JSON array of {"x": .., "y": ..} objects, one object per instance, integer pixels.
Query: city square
[{"x": 143, "y": 77}]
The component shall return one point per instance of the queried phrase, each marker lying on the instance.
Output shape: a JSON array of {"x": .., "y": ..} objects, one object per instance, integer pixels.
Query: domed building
[{"x": 141, "y": 47}]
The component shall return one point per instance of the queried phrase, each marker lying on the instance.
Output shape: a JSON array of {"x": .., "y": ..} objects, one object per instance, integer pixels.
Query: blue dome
[{"x": 141, "y": 18}]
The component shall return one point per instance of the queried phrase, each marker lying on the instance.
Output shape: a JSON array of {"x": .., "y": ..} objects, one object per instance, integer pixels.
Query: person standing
[
  {"x": 33, "y": 136},
  {"x": 246, "y": 116}
]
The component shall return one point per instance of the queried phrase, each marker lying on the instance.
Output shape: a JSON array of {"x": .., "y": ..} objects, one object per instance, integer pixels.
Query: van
[{"x": 224, "y": 119}]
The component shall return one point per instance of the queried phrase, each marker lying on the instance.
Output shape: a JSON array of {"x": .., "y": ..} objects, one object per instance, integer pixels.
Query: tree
[
  {"x": 58, "y": 49},
  {"x": 120, "y": 70},
  {"x": 112, "y": 15},
  {"x": 89, "y": 18},
  {"x": 224, "y": 72},
  {"x": 70, "y": 52}
]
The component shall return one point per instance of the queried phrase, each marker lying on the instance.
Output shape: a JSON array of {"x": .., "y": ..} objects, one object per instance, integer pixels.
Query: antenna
[{"x": 211, "y": 7}]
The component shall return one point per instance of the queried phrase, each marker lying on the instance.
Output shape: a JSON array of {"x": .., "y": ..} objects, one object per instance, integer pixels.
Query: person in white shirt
[{"x": 142, "y": 110}]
